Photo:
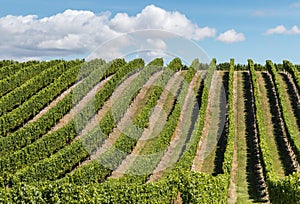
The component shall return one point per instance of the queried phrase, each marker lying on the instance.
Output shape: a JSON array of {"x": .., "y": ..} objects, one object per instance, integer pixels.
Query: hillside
[{"x": 130, "y": 132}]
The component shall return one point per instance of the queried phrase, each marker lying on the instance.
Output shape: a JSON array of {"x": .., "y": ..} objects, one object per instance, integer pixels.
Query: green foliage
[
  {"x": 20, "y": 94},
  {"x": 110, "y": 192},
  {"x": 68, "y": 157},
  {"x": 187, "y": 158},
  {"x": 144, "y": 167},
  {"x": 223, "y": 66},
  {"x": 191, "y": 186},
  {"x": 195, "y": 64},
  {"x": 16, "y": 74},
  {"x": 157, "y": 62},
  {"x": 279, "y": 67},
  {"x": 259, "y": 67},
  {"x": 52, "y": 142},
  {"x": 285, "y": 190},
  {"x": 240, "y": 67},
  {"x": 228, "y": 156},
  {"x": 142, "y": 119},
  {"x": 283, "y": 106},
  {"x": 292, "y": 69},
  {"x": 261, "y": 128},
  {"x": 33, "y": 105},
  {"x": 100, "y": 168},
  {"x": 202, "y": 188},
  {"x": 27, "y": 155},
  {"x": 175, "y": 64},
  {"x": 5, "y": 63}
]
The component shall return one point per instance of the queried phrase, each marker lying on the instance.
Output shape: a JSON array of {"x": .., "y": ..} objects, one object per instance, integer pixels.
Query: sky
[{"x": 257, "y": 29}]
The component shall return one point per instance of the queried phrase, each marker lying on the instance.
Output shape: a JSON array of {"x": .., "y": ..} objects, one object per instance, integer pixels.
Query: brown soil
[
  {"x": 232, "y": 196},
  {"x": 53, "y": 103},
  {"x": 68, "y": 117}
]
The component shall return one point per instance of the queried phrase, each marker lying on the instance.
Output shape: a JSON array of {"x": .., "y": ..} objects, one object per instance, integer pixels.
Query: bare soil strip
[
  {"x": 157, "y": 121},
  {"x": 232, "y": 192},
  {"x": 173, "y": 151},
  {"x": 53, "y": 103},
  {"x": 213, "y": 127},
  {"x": 68, "y": 117}
]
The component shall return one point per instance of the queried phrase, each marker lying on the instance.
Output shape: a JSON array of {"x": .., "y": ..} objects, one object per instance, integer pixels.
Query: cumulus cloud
[
  {"x": 231, "y": 36},
  {"x": 153, "y": 17},
  {"x": 283, "y": 30},
  {"x": 79, "y": 32}
]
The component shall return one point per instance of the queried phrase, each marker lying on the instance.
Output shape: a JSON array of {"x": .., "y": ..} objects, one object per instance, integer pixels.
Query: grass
[
  {"x": 242, "y": 183},
  {"x": 271, "y": 127}
]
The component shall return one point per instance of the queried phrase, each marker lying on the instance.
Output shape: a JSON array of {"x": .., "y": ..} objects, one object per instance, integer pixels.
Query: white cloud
[
  {"x": 231, "y": 36},
  {"x": 156, "y": 43},
  {"x": 152, "y": 17},
  {"x": 283, "y": 30},
  {"x": 143, "y": 43},
  {"x": 259, "y": 13},
  {"x": 295, "y": 5},
  {"x": 79, "y": 32},
  {"x": 266, "y": 13},
  {"x": 278, "y": 30},
  {"x": 294, "y": 30}
]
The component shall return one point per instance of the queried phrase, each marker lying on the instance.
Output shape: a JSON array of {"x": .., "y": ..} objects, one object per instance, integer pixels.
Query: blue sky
[{"x": 263, "y": 29}]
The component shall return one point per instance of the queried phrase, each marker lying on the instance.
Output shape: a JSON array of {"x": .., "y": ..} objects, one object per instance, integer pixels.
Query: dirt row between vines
[
  {"x": 79, "y": 106},
  {"x": 53, "y": 103},
  {"x": 181, "y": 132},
  {"x": 232, "y": 191},
  {"x": 157, "y": 121}
]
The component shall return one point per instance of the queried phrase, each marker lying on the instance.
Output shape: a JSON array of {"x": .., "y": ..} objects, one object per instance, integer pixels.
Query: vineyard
[{"x": 130, "y": 132}]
